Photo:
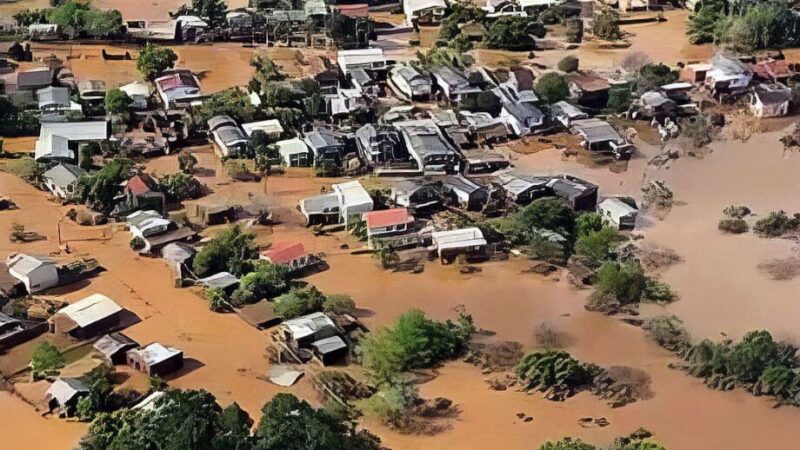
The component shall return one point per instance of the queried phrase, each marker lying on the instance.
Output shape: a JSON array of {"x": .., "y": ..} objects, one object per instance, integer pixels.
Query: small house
[
  {"x": 452, "y": 83},
  {"x": 141, "y": 192},
  {"x": 428, "y": 147},
  {"x": 411, "y": 83},
  {"x": 321, "y": 209},
  {"x": 772, "y": 71},
  {"x": 330, "y": 350},
  {"x": 579, "y": 194},
  {"x": 37, "y": 273},
  {"x": 92, "y": 91},
  {"x": 566, "y": 113},
  {"x": 178, "y": 88},
  {"x": 599, "y": 136},
  {"x": 139, "y": 92},
  {"x": 325, "y": 144},
  {"x": 619, "y": 213},
  {"x": 354, "y": 200},
  {"x": 388, "y": 222},
  {"x": 424, "y": 12},
  {"x": 143, "y": 224},
  {"x": 31, "y": 80},
  {"x": 291, "y": 255},
  {"x": 272, "y": 128},
  {"x": 63, "y": 395},
  {"x": 364, "y": 83},
  {"x": 61, "y": 179},
  {"x": 380, "y": 145},
  {"x": 588, "y": 88},
  {"x": 678, "y": 91},
  {"x": 653, "y": 104},
  {"x": 228, "y": 138},
  {"x": 465, "y": 193},
  {"x": 522, "y": 118},
  {"x": 451, "y": 243},
  {"x": 295, "y": 153},
  {"x": 771, "y": 100},
  {"x": 694, "y": 73},
  {"x": 303, "y": 331},
  {"x": 56, "y": 100},
  {"x": 727, "y": 75},
  {"x": 482, "y": 161},
  {"x": 369, "y": 59},
  {"x": 523, "y": 190},
  {"x": 155, "y": 359},
  {"x": 114, "y": 347},
  {"x": 59, "y": 141},
  {"x": 223, "y": 281},
  {"x": 416, "y": 194},
  {"x": 84, "y": 319}
]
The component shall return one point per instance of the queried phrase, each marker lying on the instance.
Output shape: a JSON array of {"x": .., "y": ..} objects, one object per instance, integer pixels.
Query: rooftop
[
  {"x": 285, "y": 252},
  {"x": 387, "y": 217},
  {"x": 91, "y": 309}
]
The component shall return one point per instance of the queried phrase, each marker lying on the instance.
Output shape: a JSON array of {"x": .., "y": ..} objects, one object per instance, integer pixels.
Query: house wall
[{"x": 100, "y": 327}]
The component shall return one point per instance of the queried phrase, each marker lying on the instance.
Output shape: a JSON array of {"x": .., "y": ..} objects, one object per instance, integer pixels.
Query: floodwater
[{"x": 24, "y": 428}]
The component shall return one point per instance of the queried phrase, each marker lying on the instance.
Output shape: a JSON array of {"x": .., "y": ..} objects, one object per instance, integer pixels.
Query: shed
[
  {"x": 771, "y": 100},
  {"x": 450, "y": 243},
  {"x": 221, "y": 280},
  {"x": 61, "y": 179},
  {"x": 304, "y": 330},
  {"x": 388, "y": 222},
  {"x": 86, "y": 318},
  {"x": 64, "y": 394},
  {"x": 271, "y": 128},
  {"x": 579, "y": 194},
  {"x": 114, "y": 346},
  {"x": 618, "y": 213},
  {"x": 295, "y": 153},
  {"x": 37, "y": 273},
  {"x": 155, "y": 359},
  {"x": 330, "y": 350}
]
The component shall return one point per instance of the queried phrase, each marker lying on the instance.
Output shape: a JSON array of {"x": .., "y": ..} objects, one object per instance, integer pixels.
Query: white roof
[
  {"x": 616, "y": 207},
  {"x": 156, "y": 353},
  {"x": 64, "y": 389},
  {"x": 677, "y": 85},
  {"x": 291, "y": 147},
  {"x": 91, "y": 309},
  {"x": 359, "y": 56},
  {"x": 419, "y": 5},
  {"x": 149, "y": 402},
  {"x": 465, "y": 237},
  {"x": 529, "y": 3},
  {"x": 24, "y": 265},
  {"x": 352, "y": 193},
  {"x": 270, "y": 126},
  {"x": 307, "y": 325},
  {"x": 138, "y": 88},
  {"x": 55, "y": 136}
]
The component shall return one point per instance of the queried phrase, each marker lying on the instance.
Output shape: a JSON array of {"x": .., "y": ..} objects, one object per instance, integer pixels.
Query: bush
[
  {"x": 216, "y": 300},
  {"x": 232, "y": 251},
  {"x": 652, "y": 76},
  {"x": 338, "y": 304},
  {"x": 299, "y": 302},
  {"x": 549, "y": 213},
  {"x": 668, "y": 332},
  {"x": 46, "y": 360},
  {"x": 597, "y": 246},
  {"x": 551, "y": 87},
  {"x": 619, "y": 99},
  {"x": 153, "y": 60},
  {"x": 568, "y": 64},
  {"x": 179, "y": 186},
  {"x": 266, "y": 281},
  {"x": 235, "y": 168},
  {"x": 26, "y": 168},
  {"x": 100, "y": 189},
  {"x": 618, "y": 284},
  {"x": 392, "y": 404},
  {"x": 587, "y": 223},
  {"x": 513, "y": 33},
  {"x": 776, "y": 224},
  {"x": 555, "y": 372},
  {"x": 657, "y": 193},
  {"x": 736, "y": 211},
  {"x": 137, "y": 243},
  {"x": 117, "y": 101},
  {"x": 606, "y": 25},
  {"x": 413, "y": 342},
  {"x": 733, "y": 226}
]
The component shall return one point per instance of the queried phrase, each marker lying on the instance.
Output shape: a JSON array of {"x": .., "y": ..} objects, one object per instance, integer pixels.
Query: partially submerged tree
[
  {"x": 606, "y": 25},
  {"x": 46, "y": 360},
  {"x": 551, "y": 87},
  {"x": 117, "y": 102},
  {"x": 232, "y": 250},
  {"x": 513, "y": 33},
  {"x": 153, "y": 60}
]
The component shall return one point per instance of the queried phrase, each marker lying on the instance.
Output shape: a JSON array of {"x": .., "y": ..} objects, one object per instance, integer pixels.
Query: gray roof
[
  {"x": 728, "y": 64},
  {"x": 320, "y": 204},
  {"x": 567, "y": 109},
  {"x": 6, "y": 320},
  {"x": 523, "y": 111},
  {"x": 408, "y": 73},
  {"x": 64, "y": 174},
  {"x": 424, "y": 138},
  {"x": 329, "y": 345},
  {"x": 34, "y": 77},
  {"x": 569, "y": 187},
  {"x": 361, "y": 76},
  {"x": 221, "y": 120},
  {"x": 321, "y": 137},
  {"x": 177, "y": 252},
  {"x": 596, "y": 130},
  {"x": 773, "y": 94},
  {"x": 219, "y": 280},
  {"x": 450, "y": 76},
  {"x": 53, "y": 96},
  {"x": 112, "y": 343},
  {"x": 230, "y": 134},
  {"x": 461, "y": 183}
]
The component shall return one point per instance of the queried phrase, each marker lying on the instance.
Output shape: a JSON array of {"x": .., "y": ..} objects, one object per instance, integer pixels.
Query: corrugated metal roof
[{"x": 91, "y": 309}]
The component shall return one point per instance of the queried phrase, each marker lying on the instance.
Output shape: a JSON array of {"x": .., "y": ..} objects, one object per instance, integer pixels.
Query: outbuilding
[
  {"x": 114, "y": 347},
  {"x": 37, "y": 273},
  {"x": 451, "y": 243},
  {"x": 619, "y": 213},
  {"x": 61, "y": 179},
  {"x": 63, "y": 395},
  {"x": 155, "y": 359},
  {"x": 86, "y": 318}
]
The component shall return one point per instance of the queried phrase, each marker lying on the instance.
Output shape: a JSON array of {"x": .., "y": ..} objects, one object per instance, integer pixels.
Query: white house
[
  {"x": 618, "y": 213},
  {"x": 770, "y": 100},
  {"x": 147, "y": 223},
  {"x": 61, "y": 180},
  {"x": 453, "y": 242},
  {"x": 354, "y": 200},
  {"x": 89, "y": 317},
  {"x": 728, "y": 74},
  {"x": 37, "y": 273},
  {"x": 365, "y": 58},
  {"x": 295, "y": 153},
  {"x": 271, "y": 128},
  {"x": 139, "y": 92},
  {"x": 424, "y": 12},
  {"x": 59, "y": 140}
]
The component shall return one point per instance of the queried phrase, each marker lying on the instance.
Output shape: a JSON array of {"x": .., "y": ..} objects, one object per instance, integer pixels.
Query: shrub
[
  {"x": 568, "y": 64},
  {"x": 26, "y": 168},
  {"x": 179, "y": 186},
  {"x": 513, "y": 33},
  {"x": 606, "y": 25},
  {"x": 549, "y": 213},
  {"x": 587, "y": 223},
  {"x": 392, "y": 404},
  {"x": 733, "y": 226},
  {"x": 232, "y": 251},
  {"x": 117, "y": 101},
  {"x": 597, "y": 246},
  {"x": 216, "y": 300},
  {"x": 137, "y": 243},
  {"x": 555, "y": 372},
  {"x": 618, "y": 285},
  {"x": 736, "y": 211},
  {"x": 652, "y": 76},
  {"x": 299, "y": 302},
  {"x": 338, "y": 304},
  {"x": 100, "y": 189},
  {"x": 776, "y": 224},
  {"x": 235, "y": 168},
  {"x": 668, "y": 332},
  {"x": 619, "y": 99},
  {"x": 266, "y": 281},
  {"x": 153, "y": 60},
  {"x": 657, "y": 193},
  {"x": 46, "y": 360},
  {"x": 551, "y": 87}
]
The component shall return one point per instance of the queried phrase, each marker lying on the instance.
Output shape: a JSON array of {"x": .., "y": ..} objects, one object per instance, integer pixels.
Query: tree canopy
[
  {"x": 117, "y": 101},
  {"x": 551, "y": 87},
  {"x": 513, "y": 33},
  {"x": 232, "y": 250},
  {"x": 99, "y": 189},
  {"x": 153, "y": 60}
]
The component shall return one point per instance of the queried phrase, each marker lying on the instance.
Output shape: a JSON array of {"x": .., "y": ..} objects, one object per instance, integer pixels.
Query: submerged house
[
  {"x": 178, "y": 88},
  {"x": 579, "y": 194},
  {"x": 54, "y": 101},
  {"x": 37, "y": 273},
  {"x": 523, "y": 190},
  {"x": 380, "y": 145},
  {"x": 464, "y": 192},
  {"x": 92, "y": 316},
  {"x": 424, "y": 12},
  {"x": 772, "y": 71},
  {"x": 295, "y": 153},
  {"x": 114, "y": 347},
  {"x": 451, "y": 243},
  {"x": 59, "y": 141},
  {"x": 63, "y": 395},
  {"x": 325, "y": 144},
  {"x": 61, "y": 179},
  {"x": 318, "y": 334},
  {"x": 141, "y": 192},
  {"x": 388, "y": 222},
  {"x": 452, "y": 83},
  {"x": 292, "y": 255},
  {"x": 428, "y": 146},
  {"x": 566, "y": 113},
  {"x": 771, "y": 100},
  {"x": 599, "y": 136},
  {"x": 155, "y": 359},
  {"x": 727, "y": 75},
  {"x": 416, "y": 193},
  {"x": 411, "y": 83},
  {"x": 588, "y": 89},
  {"x": 346, "y": 200},
  {"x": 227, "y": 136},
  {"x": 619, "y": 213}
]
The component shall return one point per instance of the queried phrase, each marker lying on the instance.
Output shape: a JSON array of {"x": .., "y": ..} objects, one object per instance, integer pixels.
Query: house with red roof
[
  {"x": 141, "y": 192},
  {"x": 292, "y": 255},
  {"x": 388, "y": 222}
]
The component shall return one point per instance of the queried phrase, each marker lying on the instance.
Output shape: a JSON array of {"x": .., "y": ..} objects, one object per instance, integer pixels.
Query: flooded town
[{"x": 448, "y": 224}]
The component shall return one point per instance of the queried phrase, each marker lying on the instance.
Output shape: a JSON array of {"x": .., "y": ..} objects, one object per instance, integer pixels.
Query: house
[
  {"x": 566, "y": 113},
  {"x": 344, "y": 201},
  {"x": 63, "y": 395},
  {"x": 325, "y": 144},
  {"x": 330, "y": 350},
  {"x": 61, "y": 179},
  {"x": 452, "y": 83},
  {"x": 588, "y": 88},
  {"x": 272, "y": 128},
  {"x": 141, "y": 192},
  {"x": 54, "y": 99},
  {"x": 771, "y": 100},
  {"x": 292, "y": 255},
  {"x": 380, "y": 144},
  {"x": 295, "y": 153},
  {"x": 388, "y": 222},
  {"x": 369, "y": 59},
  {"x": 599, "y": 136},
  {"x": 411, "y": 83},
  {"x": 522, "y": 118},
  {"x": 579, "y": 194},
  {"x": 424, "y": 12},
  {"x": 619, "y": 213},
  {"x": 204, "y": 214},
  {"x": 321, "y": 209},
  {"x": 520, "y": 81},
  {"x": 319, "y": 334},
  {"x": 92, "y": 316},
  {"x": 344, "y": 102},
  {"x": 484, "y": 127},
  {"x": 772, "y": 71},
  {"x": 481, "y": 161},
  {"x": 14, "y": 332},
  {"x": 59, "y": 141},
  {"x": 139, "y": 92},
  {"x": 43, "y": 31},
  {"x": 155, "y": 359},
  {"x": 451, "y": 243},
  {"x": 416, "y": 194},
  {"x": 354, "y": 200},
  {"x": 37, "y": 273},
  {"x": 178, "y": 253},
  {"x": 523, "y": 190},
  {"x": 727, "y": 75},
  {"x": 653, "y": 104},
  {"x": 92, "y": 91},
  {"x": 228, "y": 138},
  {"x": 364, "y": 83},
  {"x": 224, "y": 281},
  {"x": 428, "y": 147},
  {"x": 178, "y": 88},
  {"x": 189, "y": 28},
  {"x": 31, "y": 80},
  {"x": 694, "y": 73},
  {"x": 114, "y": 347},
  {"x": 465, "y": 193},
  {"x": 678, "y": 91},
  {"x": 148, "y": 223}
]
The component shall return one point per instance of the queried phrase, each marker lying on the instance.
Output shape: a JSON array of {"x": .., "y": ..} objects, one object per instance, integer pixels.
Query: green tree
[
  {"x": 46, "y": 360},
  {"x": 392, "y": 404},
  {"x": 153, "y": 60},
  {"x": 551, "y": 87},
  {"x": 549, "y": 213},
  {"x": 619, "y": 99},
  {"x": 652, "y": 76},
  {"x": 267, "y": 281},
  {"x": 606, "y": 25},
  {"x": 213, "y": 10},
  {"x": 179, "y": 186},
  {"x": 117, "y": 102},
  {"x": 299, "y": 302},
  {"x": 233, "y": 102},
  {"x": 556, "y": 372},
  {"x": 587, "y": 223},
  {"x": 513, "y": 33},
  {"x": 568, "y": 64},
  {"x": 100, "y": 189},
  {"x": 567, "y": 444},
  {"x": 338, "y": 304},
  {"x": 702, "y": 27},
  {"x": 232, "y": 250},
  {"x": 598, "y": 246}
]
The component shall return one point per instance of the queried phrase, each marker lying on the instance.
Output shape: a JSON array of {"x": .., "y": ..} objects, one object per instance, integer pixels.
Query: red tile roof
[
  {"x": 772, "y": 69},
  {"x": 385, "y": 218},
  {"x": 284, "y": 253},
  {"x": 355, "y": 10},
  {"x": 139, "y": 185}
]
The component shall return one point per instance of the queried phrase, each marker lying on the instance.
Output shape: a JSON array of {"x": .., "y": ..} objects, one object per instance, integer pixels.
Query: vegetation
[
  {"x": 232, "y": 251},
  {"x": 651, "y": 76},
  {"x": 266, "y": 281},
  {"x": 745, "y": 27},
  {"x": 733, "y": 226},
  {"x": 78, "y": 18},
  {"x": 459, "y": 13},
  {"x": 551, "y": 87},
  {"x": 26, "y": 168},
  {"x": 638, "y": 440},
  {"x": 15, "y": 121},
  {"x": 598, "y": 246},
  {"x": 606, "y": 25},
  {"x": 153, "y": 60},
  {"x": 413, "y": 342},
  {"x": 338, "y": 304},
  {"x": 117, "y": 101},
  {"x": 668, "y": 332},
  {"x": 621, "y": 286},
  {"x": 657, "y": 194},
  {"x": 99, "y": 189},
  {"x": 99, "y": 381},
  {"x": 179, "y": 186},
  {"x": 217, "y": 302},
  {"x": 46, "y": 360},
  {"x": 568, "y": 64},
  {"x": 193, "y": 419},
  {"x": 186, "y": 162},
  {"x": 777, "y": 224},
  {"x": 307, "y": 300},
  {"x": 619, "y": 99},
  {"x": 393, "y": 404},
  {"x": 556, "y": 373},
  {"x": 212, "y": 10},
  {"x": 233, "y": 102},
  {"x": 513, "y": 33}
]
